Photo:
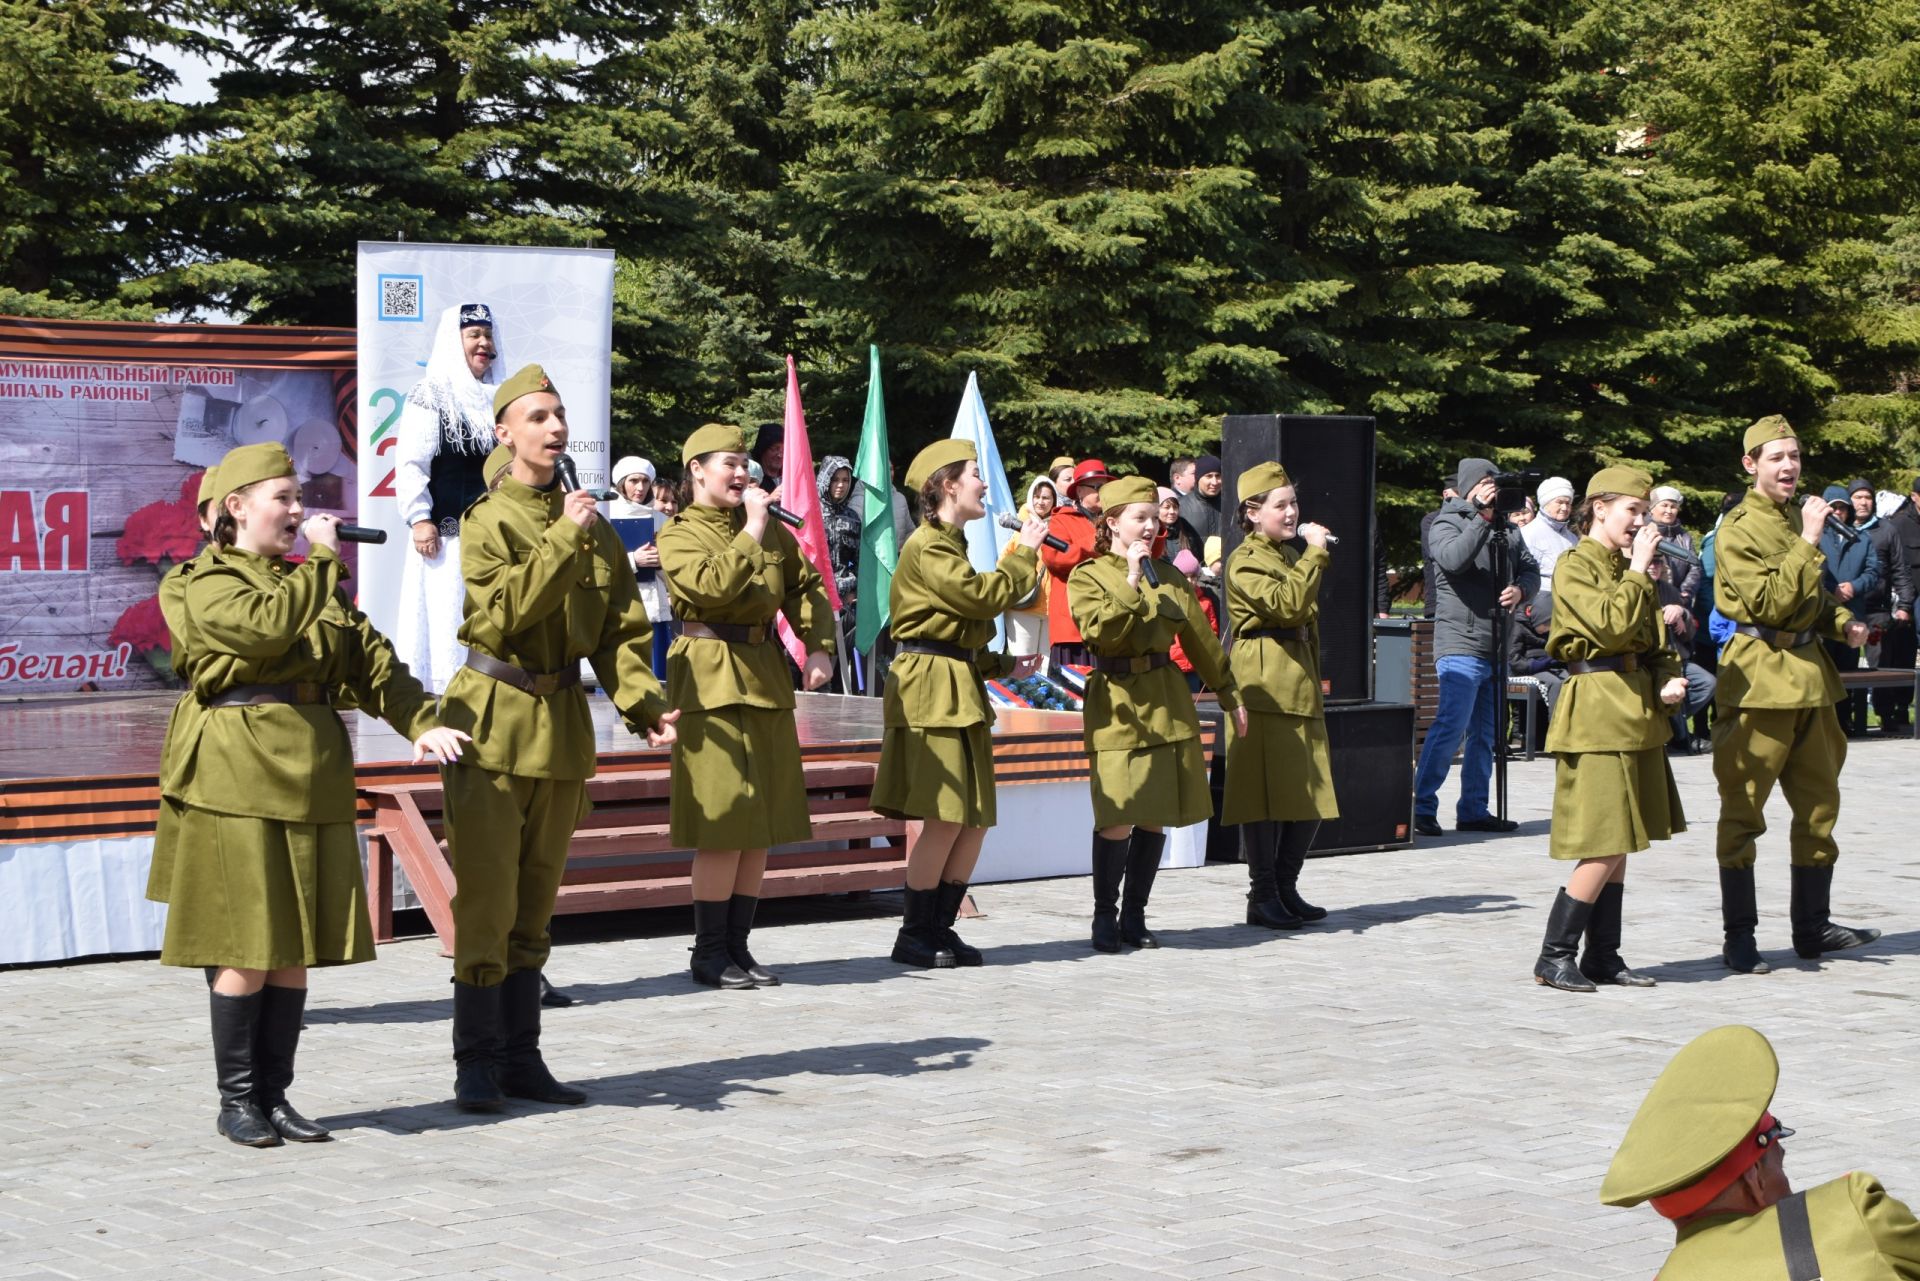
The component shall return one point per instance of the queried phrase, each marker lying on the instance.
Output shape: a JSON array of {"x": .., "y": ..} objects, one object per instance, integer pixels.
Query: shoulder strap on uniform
[{"x": 1796, "y": 1238}]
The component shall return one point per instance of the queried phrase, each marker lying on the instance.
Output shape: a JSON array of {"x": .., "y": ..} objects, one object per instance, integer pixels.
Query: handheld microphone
[
  {"x": 1146, "y": 571},
  {"x": 360, "y": 534},
  {"x": 1007, "y": 520},
  {"x": 1848, "y": 534},
  {"x": 784, "y": 516},
  {"x": 1333, "y": 539},
  {"x": 570, "y": 480},
  {"x": 1672, "y": 549}
]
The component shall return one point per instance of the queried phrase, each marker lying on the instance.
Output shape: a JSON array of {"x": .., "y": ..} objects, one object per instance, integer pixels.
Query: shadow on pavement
[
  {"x": 1710, "y": 969},
  {"x": 703, "y": 1087}
]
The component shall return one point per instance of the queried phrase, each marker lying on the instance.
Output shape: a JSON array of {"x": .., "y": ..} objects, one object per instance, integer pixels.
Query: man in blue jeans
[{"x": 1465, "y": 542}]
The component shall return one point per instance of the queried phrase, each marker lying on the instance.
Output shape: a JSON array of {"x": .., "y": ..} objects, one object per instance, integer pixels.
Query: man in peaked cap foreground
[{"x": 1706, "y": 1151}]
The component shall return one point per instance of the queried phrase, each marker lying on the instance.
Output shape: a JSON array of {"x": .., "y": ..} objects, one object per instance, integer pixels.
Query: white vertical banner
[{"x": 551, "y": 307}]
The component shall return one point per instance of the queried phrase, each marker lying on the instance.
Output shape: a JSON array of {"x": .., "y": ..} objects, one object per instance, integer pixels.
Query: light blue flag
[{"x": 985, "y": 539}]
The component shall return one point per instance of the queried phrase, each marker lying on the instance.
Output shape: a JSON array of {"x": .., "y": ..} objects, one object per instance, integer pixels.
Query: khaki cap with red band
[{"x": 1696, "y": 1130}]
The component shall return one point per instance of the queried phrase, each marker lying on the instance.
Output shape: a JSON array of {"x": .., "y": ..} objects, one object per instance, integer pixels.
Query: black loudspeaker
[
  {"x": 1330, "y": 460},
  {"x": 1371, "y": 745}
]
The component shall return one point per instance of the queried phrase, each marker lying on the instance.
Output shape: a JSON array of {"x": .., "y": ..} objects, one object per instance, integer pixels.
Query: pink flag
[{"x": 800, "y": 495}]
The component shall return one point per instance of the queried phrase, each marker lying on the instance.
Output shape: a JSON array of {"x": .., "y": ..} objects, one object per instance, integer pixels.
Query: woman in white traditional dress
[{"x": 446, "y": 433}]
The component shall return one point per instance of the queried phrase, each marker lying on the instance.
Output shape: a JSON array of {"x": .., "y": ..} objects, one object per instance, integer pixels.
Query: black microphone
[
  {"x": 360, "y": 534},
  {"x": 570, "y": 479},
  {"x": 1666, "y": 547},
  {"x": 784, "y": 516},
  {"x": 1008, "y": 520},
  {"x": 1848, "y": 534}
]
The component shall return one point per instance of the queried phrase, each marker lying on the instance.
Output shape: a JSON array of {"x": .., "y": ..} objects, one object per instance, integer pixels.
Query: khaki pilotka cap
[
  {"x": 209, "y": 486},
  {"x": 1256, "y": 481},
  {"x": 1701, "y": 1125},
  {"x": 713, "y": 438},
  {"x": 940, "y": 453},
  {"x": 497, "y": 462},
  {"x": 1628, "y": 482},
  {"x": 1116, "y": 494},
  {"x": 526, "y": 380},
  {"x": 248, "y": 465},
  {"x": 1772, "y": 427}
]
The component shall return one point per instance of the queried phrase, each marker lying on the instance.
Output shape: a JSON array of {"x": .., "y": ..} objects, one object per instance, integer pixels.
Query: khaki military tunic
[
  {"x": 181, "y": 723},
  {"x": 737, "y": 781},
  {"x": 1859, "y": 1233},
  {"x": 1281, "y": 769},
  {"x": 542, "y": 594},
  {"x": 1613, "y": 791},
  {"x": 1773, "y": 707},
  {"x": 1140, "y": 730},
  {"x": 936, "y": 759},
  {"x": 267, "y": 869}
]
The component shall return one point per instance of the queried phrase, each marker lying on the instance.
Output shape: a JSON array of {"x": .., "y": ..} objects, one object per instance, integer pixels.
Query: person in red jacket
[{"x": 1072, "y": 521}]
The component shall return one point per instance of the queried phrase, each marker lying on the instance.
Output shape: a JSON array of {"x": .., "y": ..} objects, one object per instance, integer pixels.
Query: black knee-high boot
[
  {"x": 1260, "y": 842},
  {"x": 1814, "y": 933},
  {"x": 740, "y": 910},
  {"x": 952, "y": 895},
  {"x": 282, "y": 1011},
  {"x": 1143, "y": 864},
  {"x": 1565, "y": 924},
  {"x": 236, "y": 1023},
  {"x": 523, "y": 1071},
  {"x": 1109, "y": 867},
  {"x": 476, "y": 1048},
  {"x": 1296, "y": 838},
  {"x": 710, "y": 963},
  {"x": 1602, "y": 961},
  {"x": 1740, "y": 917}
]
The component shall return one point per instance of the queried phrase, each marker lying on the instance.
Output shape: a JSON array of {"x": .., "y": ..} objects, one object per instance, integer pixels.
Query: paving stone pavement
[{"x": 1387, "y": 1095}]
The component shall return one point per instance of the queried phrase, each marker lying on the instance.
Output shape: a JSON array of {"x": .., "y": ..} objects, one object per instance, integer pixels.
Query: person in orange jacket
[{"x": 1072, "y": 521}]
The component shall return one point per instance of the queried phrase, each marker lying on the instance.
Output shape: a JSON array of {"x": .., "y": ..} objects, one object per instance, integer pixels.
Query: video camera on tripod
[{"x": 1511, "y": 489}]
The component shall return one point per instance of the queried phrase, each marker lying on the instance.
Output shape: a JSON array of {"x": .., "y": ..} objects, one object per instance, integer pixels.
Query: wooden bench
[
  {"x": 1887, "y": 678},
  {"x": 622, "y": 855}
]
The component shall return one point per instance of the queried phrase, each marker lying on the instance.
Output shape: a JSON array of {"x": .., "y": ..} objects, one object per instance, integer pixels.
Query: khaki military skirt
[
  {"x": 1160, "y": 786},
  {"x": 166, "y": 836},
  {"x": 1607, "y": 803},
  {"x": 1280, "y": 771},
  {"x": 260, "y": 894},
  {"x": 944, "y": 774},
  {"x": 737, "y": 782}
]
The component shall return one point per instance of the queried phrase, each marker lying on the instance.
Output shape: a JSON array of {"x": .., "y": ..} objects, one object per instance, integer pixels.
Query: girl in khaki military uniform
[
  {"x": 266, "y": 876},
  {"x": 548, "y": 585},
  {"x": 1279, "y": 777},
  {"x": 1613, "y": 792},
  {"x": 737, "y": 784},
  {"x": 936, "y": 761},
  {"x": 1141, "y": 731}
]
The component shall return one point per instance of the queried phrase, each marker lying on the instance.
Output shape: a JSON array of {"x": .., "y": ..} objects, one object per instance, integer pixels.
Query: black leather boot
[
  {"x": 1740, "y": 917},
  {"x": 1602, "y": 961},
  {"x": 919, "y": 943},
  {"x": 952, "y": 895},
  {"x": 236, "y": 1023},
  {"x": 710, "y": 964},
  {"x": 740, "y": 910},
  {"x": 476, "y": 1048},
  {"x": 552, "y": 997},
  {"x": 1565, "y": 923},
  {"x": 1296, "y": 838},
  {"x": 282, "y": 1011},
  {"x": 1109, "y": 867},
  {"x": 1143, "y": 864},
  {"x": 1260, "y": 843},
  {"x": 1814, "y": 934},
  {"x": 522, "y": 1073}
]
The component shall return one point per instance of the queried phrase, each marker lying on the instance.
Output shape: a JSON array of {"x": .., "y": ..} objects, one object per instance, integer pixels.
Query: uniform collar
[
  {"x": 734, "y": 518},
  {"x": 526, "y": 495}
]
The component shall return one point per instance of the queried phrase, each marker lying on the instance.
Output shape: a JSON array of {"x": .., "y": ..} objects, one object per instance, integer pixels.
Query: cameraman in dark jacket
[{"x": 1467, "y": 541}]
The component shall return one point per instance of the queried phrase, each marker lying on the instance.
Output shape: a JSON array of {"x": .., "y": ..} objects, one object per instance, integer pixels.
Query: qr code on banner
[{"x": 403, "y": 298}]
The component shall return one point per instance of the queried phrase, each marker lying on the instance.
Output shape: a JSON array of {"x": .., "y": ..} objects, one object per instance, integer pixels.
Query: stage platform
[{"x": 79, "y": 792}]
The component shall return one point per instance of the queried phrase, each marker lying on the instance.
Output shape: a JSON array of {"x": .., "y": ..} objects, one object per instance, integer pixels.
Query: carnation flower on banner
[{"x": 985, "y": 539}]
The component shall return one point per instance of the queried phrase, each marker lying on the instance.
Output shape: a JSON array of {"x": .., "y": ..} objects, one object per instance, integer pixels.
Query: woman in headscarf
[
  {"x": 1027, "y": 620},
  {"x": 842, "y": 518},
  {"x": 446, "y": 433}
]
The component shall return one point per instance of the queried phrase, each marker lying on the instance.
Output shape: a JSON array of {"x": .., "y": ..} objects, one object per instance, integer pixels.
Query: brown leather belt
[
  {"x": 1130, "y": 666},
  {"x": 299, "y": 693},
  {"x": 1273, "y": 633},
  {"x": 538, "y": 684},
  {"x": 1773, "y": 636},
  {"x": 731, "y": 633},
  {"x": 1605, "y": 663},
  {"x": 939, "y": 649}
]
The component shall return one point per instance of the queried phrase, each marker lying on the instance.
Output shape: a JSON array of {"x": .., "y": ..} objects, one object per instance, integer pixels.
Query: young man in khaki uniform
[
  {"x": 1705, "y": 1150},
  {"x": 1775, "y": 718},
  {"x": 548, "y": 584}
]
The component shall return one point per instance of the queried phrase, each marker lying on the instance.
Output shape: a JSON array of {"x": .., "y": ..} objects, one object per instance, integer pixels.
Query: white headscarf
[{"x": 448, "y": 389}]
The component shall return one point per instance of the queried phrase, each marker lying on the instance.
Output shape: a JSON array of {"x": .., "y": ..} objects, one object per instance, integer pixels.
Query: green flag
[{"x": 879, "y": 549}]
